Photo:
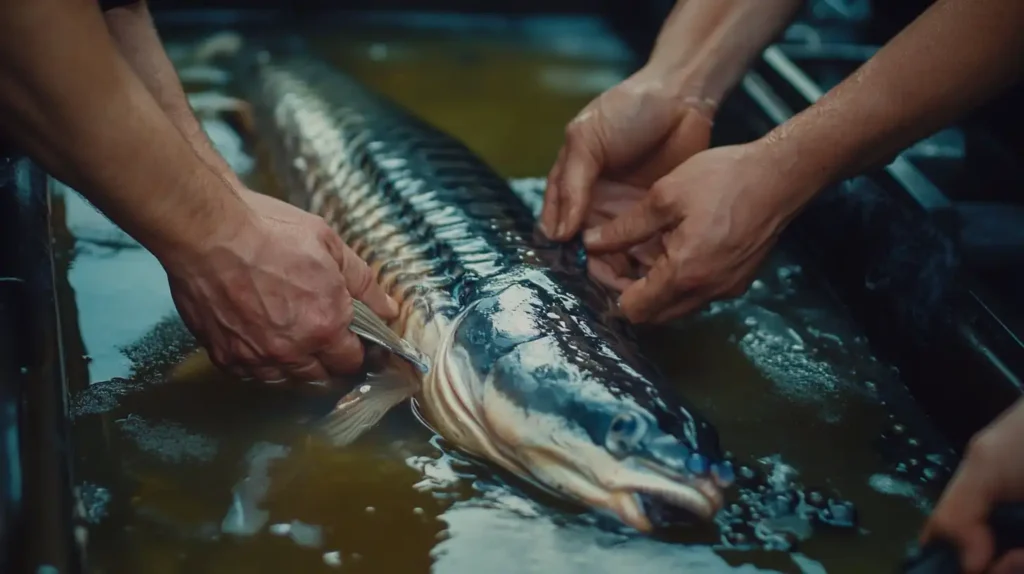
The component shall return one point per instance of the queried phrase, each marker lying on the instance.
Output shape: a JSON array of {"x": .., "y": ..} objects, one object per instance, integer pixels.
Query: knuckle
[
  {"x": 576, "y": 131},
  {"x": 661, "y": 199},
  {"x": 322, "y": 333},
  {"x": 363, "y": 280},
  {"x": 982, "y": 450},
  {"x": 280, "y": 350},
  {"x": 240, "y": 353}
]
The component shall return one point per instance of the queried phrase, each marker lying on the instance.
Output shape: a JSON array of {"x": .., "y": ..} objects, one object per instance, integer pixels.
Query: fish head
[
  {"x": 672, "y": 476},
  {"x": 569, "y": 414}
]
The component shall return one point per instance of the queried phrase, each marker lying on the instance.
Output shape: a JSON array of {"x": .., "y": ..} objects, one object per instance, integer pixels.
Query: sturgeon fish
[{"x": 531, "y": 367}]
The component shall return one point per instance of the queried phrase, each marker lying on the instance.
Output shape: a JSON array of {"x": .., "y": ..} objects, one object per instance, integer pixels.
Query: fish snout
[{"x": 683, "y": 486}]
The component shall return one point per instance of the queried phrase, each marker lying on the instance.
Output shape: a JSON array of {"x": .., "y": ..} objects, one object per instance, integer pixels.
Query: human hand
[
  {"x": 632, "y": 134},
  {"x": 717, "y": 216},
  {"x": 618, "y": 269},
  {"x": 992, "y": 472},
  {"x": 274, "y": 299}
]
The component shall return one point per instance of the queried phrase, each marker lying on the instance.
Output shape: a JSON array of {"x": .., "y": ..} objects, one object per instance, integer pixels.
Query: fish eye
[{"x": 625, "y": 433}]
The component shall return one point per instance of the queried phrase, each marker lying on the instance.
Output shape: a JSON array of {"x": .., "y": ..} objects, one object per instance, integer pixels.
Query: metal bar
[{"x": 37, "y": 499}]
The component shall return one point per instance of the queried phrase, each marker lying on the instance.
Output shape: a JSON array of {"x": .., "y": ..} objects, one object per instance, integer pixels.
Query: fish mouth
[{"x": 660, "y": 498}]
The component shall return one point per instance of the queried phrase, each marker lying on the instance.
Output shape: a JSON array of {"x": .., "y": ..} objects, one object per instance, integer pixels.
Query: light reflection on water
[{"x": 208, "y": 475}]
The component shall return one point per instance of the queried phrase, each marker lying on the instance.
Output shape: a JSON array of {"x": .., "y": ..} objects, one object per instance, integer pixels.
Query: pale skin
[
  {"x": 674, "y": 226},
  {"x": 264, "y": 286}
]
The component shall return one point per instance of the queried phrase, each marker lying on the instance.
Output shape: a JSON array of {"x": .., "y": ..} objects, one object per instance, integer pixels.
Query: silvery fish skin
[{"x": 530, "y": 368}]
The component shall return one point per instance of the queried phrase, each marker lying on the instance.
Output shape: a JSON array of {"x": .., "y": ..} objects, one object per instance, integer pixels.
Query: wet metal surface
[{"x": 210, "y": 475}]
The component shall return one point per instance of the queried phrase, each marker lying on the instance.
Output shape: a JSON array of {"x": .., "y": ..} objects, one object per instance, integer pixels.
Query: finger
[
  {"x": 582, "y": 166},
  {"x": 649, "y": 252},
  {"x": 622, "y": 264},
  {"x": 688, "y": 304},
  {"x": 310, "y": 371},
  {"x": 268, "y": 375},
  {"x": 613, "y": 198},
  {"x": 1011, "y": 563},
  {"x": 604, "y": 273},
  {"x": 637, "y": 225},
  {"x": 960, "y": 517},
  {"x": 649, "y": 294},
  {"x": 362, "y": 283},
  {"x": 549, "y": 213},
  {"x": 343, "y": 356}
]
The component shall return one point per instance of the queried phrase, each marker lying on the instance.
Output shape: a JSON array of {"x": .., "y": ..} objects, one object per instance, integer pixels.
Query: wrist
[
  {"x": 792, "y": 178},
  {"x": 190, "y": 235}
]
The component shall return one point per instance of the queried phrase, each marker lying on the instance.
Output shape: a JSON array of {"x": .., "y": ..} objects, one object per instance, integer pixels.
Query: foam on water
[{"x": 168, "y": 441}]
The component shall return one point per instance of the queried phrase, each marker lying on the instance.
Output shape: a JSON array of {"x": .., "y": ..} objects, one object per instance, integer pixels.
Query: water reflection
[
  {"x": 511, "y": 536},
  {"x": 112, "y": 281}
]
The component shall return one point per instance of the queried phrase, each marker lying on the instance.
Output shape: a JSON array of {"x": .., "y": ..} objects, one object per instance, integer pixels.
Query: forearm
[
  {"x": 955, "y": 56},
  {"x": 139, "y": 43},
  {"x": 707, "y": 45},
  {"x": 72, "y": 103}
]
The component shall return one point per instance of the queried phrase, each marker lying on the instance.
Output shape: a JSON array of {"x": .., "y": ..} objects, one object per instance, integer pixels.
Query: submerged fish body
[{"x": 530, "y": 368}]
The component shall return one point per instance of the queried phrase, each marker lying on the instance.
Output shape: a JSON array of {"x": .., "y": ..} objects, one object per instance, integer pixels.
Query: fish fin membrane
[
  {"x": 364, "y": 406},
  {"x": 368, "y": 325}
]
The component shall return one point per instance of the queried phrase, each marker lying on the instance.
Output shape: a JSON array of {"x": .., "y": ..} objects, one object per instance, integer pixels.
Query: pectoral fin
[{"x": 363, "y": 407}]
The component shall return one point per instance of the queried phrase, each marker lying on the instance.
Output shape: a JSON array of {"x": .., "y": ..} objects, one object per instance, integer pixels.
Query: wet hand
[
  {"x": 632, "y": 134},
  {"x": 618, "y": 270},
  {"x": 273, "y": 300},
  {"x": 716, "y": 216},
  {"x": 992, "y": 472}
]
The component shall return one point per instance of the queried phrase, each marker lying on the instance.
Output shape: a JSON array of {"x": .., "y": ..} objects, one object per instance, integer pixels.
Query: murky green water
[{"x": 209, "y": 475}]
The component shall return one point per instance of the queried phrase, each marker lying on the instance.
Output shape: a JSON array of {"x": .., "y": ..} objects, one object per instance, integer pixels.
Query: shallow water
[{"x": 209, "y": 475}]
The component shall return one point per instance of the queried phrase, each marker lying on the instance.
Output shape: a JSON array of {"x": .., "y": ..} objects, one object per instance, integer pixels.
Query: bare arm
[
  {"x": 136, "y": 38},
  {"x": 955, "y": 56},
  {"x": 711, "y": 43},
  {"x": 641, "y": 129},
  {"x": 71, "y": 102}
]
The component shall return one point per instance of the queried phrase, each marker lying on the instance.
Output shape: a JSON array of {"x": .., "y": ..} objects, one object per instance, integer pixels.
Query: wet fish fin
[
  {"x": 363, "y": 407},
  {"x": 369, "y": 326}
]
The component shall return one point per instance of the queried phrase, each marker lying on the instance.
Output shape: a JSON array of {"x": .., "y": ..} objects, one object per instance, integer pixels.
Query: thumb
[
  {"x": 579, "y": 168},
  {"x": 361, "y": 282},
  {"x": 635, "y": 226}
]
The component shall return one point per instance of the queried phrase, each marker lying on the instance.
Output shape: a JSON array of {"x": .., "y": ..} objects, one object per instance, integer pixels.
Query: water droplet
[
  {"x": 332, "y": 559},
  {"x": 280, "y": 529}
]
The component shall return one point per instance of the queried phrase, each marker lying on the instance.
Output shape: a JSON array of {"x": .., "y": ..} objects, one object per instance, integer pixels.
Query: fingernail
[
  {"x": 544, "y": 229},
  {"x": 592, "y": 235},
  {"x": 562, "y": 228}
]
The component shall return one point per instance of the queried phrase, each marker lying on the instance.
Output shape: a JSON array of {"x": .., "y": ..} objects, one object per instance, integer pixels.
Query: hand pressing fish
[{"x": 530, "y": 368}]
